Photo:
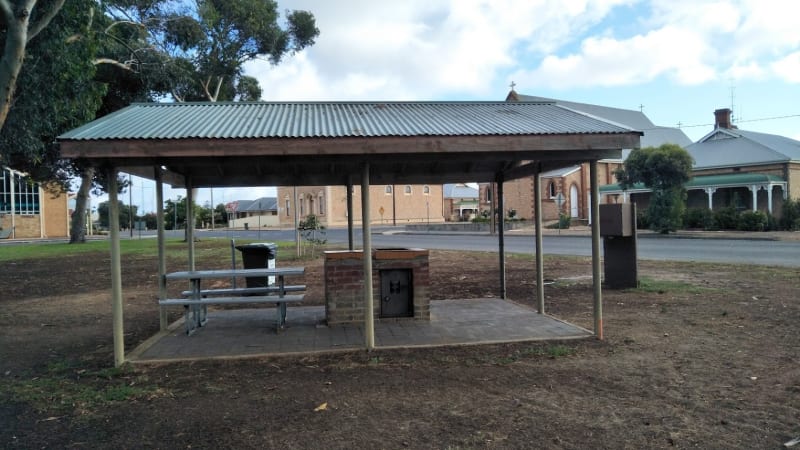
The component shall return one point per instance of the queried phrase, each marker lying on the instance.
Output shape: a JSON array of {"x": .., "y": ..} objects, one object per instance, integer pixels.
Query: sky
[{"x": 676, "y": 60}]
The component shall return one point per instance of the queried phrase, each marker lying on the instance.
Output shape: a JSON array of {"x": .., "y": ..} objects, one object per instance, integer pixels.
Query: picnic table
[{"x": 196, "y": 299}]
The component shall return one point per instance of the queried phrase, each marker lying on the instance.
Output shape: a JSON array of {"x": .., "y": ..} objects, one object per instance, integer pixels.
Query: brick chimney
[{"x": 722, "y": 118}]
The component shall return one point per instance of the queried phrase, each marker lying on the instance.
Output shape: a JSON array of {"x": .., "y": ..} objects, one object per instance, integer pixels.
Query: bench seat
[
  {"x": 232, "y": 300},
  {"x": 195, "y": 314},
  {"x": 247, "y": 291}
]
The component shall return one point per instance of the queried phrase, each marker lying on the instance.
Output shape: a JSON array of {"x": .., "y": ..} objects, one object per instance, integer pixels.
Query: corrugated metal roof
[
  {"x": 459, "y": 191},
  {"x": 654, "y": 135},
  {"x": 260, "y": 204},
  {"x": 338, "y": 119},
  {"x": 733, "y": 147}
]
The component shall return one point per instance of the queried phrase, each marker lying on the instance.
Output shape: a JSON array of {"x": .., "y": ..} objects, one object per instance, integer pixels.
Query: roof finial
[{"x": 512, "y": 85}]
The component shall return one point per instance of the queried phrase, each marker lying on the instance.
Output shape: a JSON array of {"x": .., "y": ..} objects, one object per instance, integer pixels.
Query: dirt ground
[{"x": 704, "y": 355}]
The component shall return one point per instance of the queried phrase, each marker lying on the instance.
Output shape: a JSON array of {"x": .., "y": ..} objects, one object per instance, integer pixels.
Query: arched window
[
  {"x": 321, "y": 204},
  {"x": 426, "y": 190},
  {"x": 288, "y": 205},
  {"x": 388, "y": 189},
  {"x": 489, "y": 193},
  {"x": 551, "y": 190},
  {"x": 408, "y": 189}
]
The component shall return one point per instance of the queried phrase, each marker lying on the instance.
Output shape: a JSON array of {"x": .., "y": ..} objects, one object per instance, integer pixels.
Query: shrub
[
  {"x": 790, "y": 217},
  {"x": 642, "y": 219},
  {"x": 698, "y": 218},
  {"x": 564, "y": 221},
  {"x": 726, "y": 218},
  {"x": 752, "y": 221}
]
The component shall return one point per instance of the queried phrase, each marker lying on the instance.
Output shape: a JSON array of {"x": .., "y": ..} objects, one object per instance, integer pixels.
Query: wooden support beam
[
  {"x": 537, "y": 212},
  {"x": 116, "y": 270},
  {"x": 369, "y": 321},
  {"x": 162, "y": 255},
  {"x": 596, "y": 279}
]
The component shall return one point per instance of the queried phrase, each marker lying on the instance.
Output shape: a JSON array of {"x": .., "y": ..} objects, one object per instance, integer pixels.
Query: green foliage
[
  {"x": 564, "y": 221},
  {"x": 790, "y": 215},
  {"x": 752, "y": 221},
  {"x": 312, "y": 231},
  {"x": 54, "y": 93},
  {"x": 204, "y": 43},
  {"x": 175, "y": 213},
  {"x": 701, "y": 218},
  {"x": 665, "y": 170},
  {"x": 659, "y": 168},
  {"x": 726, "y": 218},
  {"x": 642, "y": 219},
  {"x": 126, "y": 212},
  {"x": 665, "y": 210}
]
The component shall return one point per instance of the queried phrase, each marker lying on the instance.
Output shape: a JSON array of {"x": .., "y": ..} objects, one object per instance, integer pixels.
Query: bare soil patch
[{"x": 706, "y": 355}]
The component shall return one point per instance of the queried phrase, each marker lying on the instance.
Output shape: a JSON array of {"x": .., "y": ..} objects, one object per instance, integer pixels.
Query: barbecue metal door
[{"x": 396, "y": 293}]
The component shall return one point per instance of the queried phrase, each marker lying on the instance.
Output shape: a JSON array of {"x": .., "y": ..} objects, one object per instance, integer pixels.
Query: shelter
[{"x": 344, "y": 143}]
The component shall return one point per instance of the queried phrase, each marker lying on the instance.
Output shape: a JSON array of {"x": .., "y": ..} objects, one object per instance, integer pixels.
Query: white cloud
[
  {"x": 422, "y": 49},
  {"x": 607, "y": 61},
  {"x": 788, "y": 68}
]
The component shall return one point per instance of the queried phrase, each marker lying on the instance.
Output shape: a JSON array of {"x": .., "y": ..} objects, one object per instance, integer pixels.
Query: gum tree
[{"x": 664, "y": 170}]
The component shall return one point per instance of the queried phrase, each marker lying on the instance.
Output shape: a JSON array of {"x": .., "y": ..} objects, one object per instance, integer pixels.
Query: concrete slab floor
[{"x": 251, "y": 332}]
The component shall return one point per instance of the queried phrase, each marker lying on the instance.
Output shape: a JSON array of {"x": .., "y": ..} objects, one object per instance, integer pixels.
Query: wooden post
[
  {"x": 296, "y": 221},
  {"x": 501, "y": 225},
  {"x": 190, "y": 220},
  {"x": 369, "y": 322},
  {"x": 537, "y": 211},
  {"x": 116, "y": 269},
  {"x": 162, "y": 256},
  {"x": 596, "y": 280},
  {"x": 349, "y": 214}
]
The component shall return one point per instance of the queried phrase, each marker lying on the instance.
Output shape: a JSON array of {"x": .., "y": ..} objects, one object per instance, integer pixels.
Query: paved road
[
  {"x": 671, "y": 248},
  {"x": 761, "y": 252}
]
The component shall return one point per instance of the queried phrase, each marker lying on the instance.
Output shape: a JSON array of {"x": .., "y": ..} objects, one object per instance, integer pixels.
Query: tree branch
[
  {"x": 37, "y": 27},
  {"x": 113, "y": 62},
  {"x": 5, "y": 10}
]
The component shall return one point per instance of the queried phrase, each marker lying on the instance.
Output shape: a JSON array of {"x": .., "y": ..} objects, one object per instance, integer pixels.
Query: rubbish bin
[{"x": 256, "y": 256}]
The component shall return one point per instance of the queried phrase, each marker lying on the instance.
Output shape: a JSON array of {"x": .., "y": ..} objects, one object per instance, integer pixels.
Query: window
[
  {"x": 288, "y": 204},
  {"x": 388, "y": 189},
  {"x": 407, "y": 190},
  {"x": 551, "y": 190},
  {"x": 24, "y": 193},
  {"x": 426, "y": 190},
  {"x": 489, "y": 193},
  {"x": 321, "y": 204},
  {"x": 302, "y": 206}
]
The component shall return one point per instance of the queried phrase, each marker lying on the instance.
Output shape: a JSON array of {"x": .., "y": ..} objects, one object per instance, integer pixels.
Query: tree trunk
[
  {"x": 77, "y": 230},
  {"x": 16, "y": 21}
]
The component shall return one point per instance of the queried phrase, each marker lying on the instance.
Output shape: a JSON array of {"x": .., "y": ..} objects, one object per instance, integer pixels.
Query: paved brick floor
[{"x": 251, "y": 332}]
